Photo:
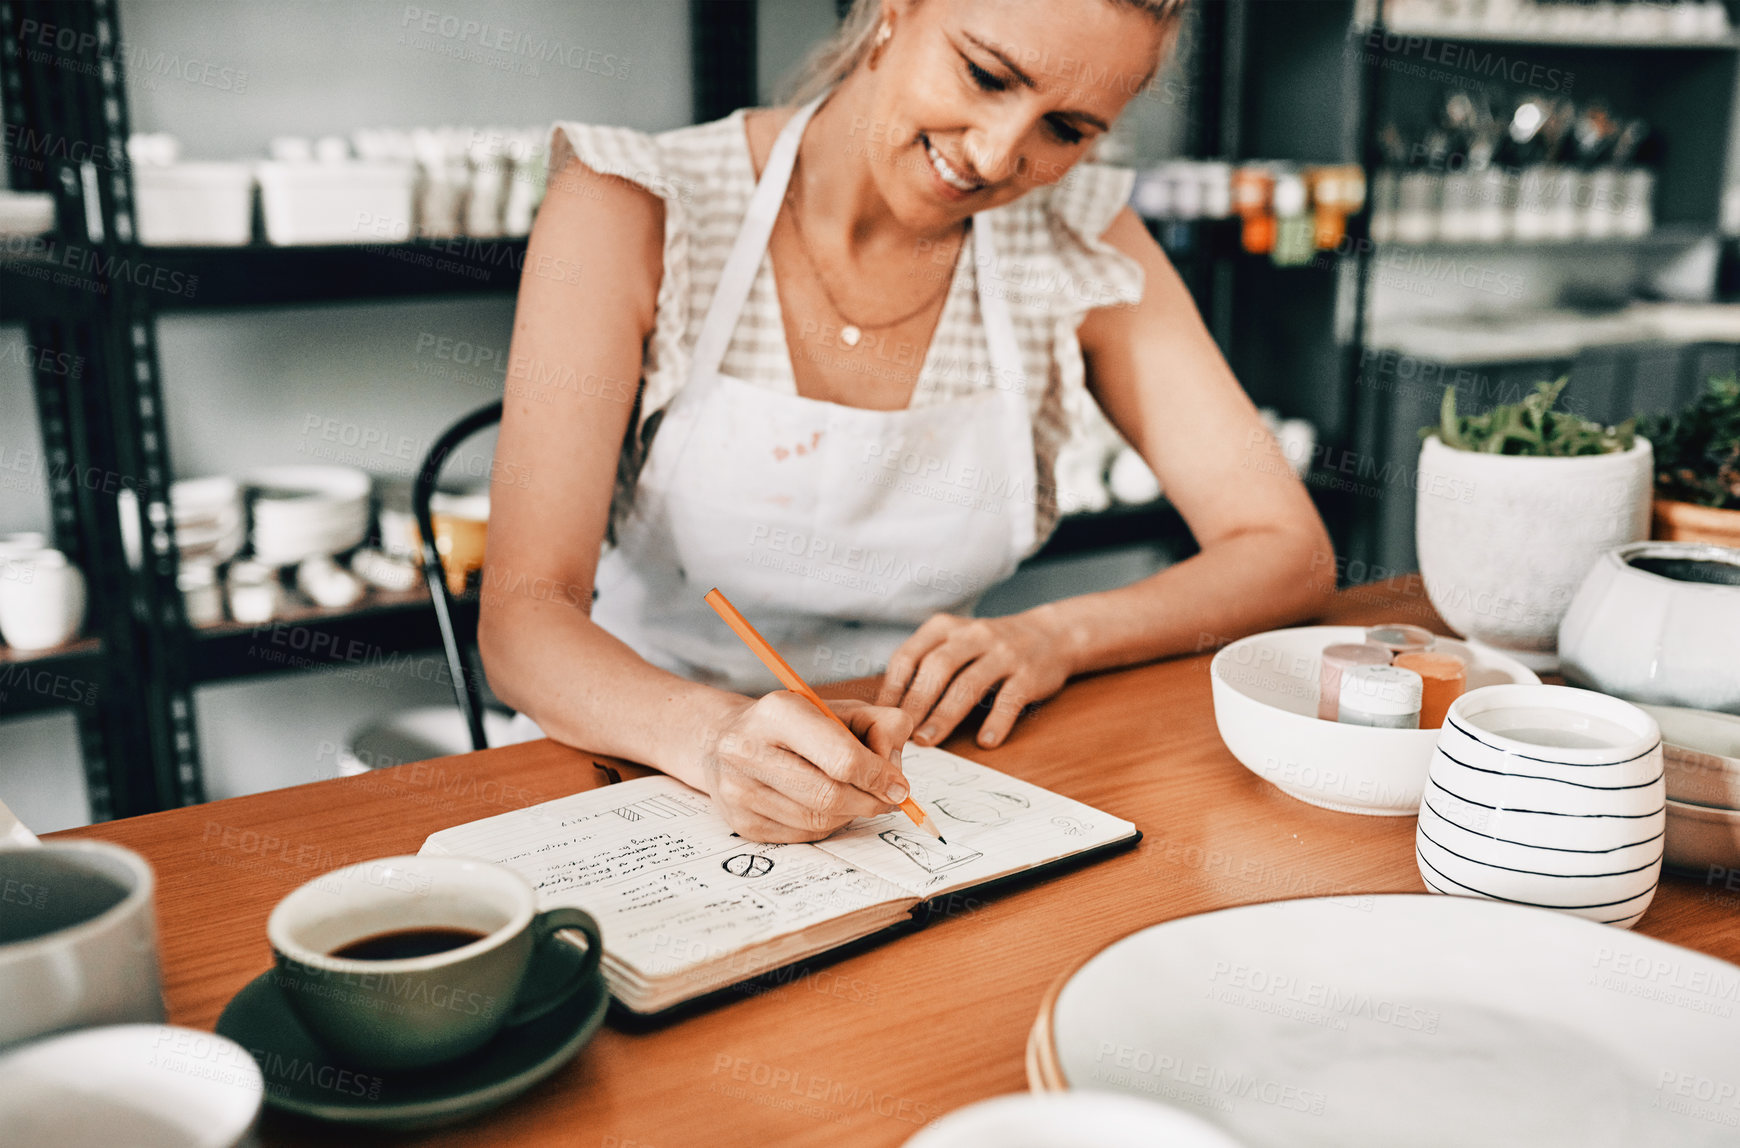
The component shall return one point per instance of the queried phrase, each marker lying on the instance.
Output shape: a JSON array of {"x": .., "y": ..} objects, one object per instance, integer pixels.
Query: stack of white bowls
[
  {"x": 209, "y": 525},
  {"x": 307, "y": 511},
  {"x": 1702, "y": 751}
]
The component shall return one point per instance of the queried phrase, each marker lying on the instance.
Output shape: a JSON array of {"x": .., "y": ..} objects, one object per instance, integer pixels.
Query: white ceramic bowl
[
  {"x": 323, "y": 510},
  {"x": 1638, "y": 635},
  {"x": 1070, "y": 1120},
  {"x": 143, "y": 1085},
  {"x": 1548, "y": 796},
  {"x": 1265, "y": 705},
  {"x": 1701, "y": 838},
  {"x": 1702, "y": 749}
]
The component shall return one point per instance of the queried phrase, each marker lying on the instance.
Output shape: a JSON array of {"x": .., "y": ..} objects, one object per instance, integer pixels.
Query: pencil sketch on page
[{"x": 927, "y": 853}]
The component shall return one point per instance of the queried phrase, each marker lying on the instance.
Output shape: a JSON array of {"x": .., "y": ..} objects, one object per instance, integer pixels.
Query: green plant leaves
[
  {"x": 1530, "y": 427},
  {"x": 1697, "y": 451}
]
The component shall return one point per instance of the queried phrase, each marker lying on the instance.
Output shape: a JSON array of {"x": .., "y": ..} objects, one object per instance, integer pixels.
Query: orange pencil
[{"x": 789, "y": 677}]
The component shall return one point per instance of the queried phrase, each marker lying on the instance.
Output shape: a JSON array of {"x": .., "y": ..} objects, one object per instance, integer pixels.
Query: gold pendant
[{"x": 850, "y": 334}]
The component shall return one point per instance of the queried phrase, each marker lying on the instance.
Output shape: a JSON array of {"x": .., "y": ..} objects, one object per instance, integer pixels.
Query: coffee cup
[
  {"x": 410, "y": 961},
  {"x": 42, "y": 599},
  {"x": 78, "y": 939}
]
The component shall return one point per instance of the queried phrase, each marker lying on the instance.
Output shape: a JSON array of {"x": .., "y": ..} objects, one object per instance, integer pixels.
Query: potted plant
[
  {"x": 1697, "y": 469},
  {"x": 1513, "y": 508}
]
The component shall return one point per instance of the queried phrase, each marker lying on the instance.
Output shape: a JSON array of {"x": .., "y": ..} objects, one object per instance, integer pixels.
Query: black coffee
[
  {"x": 401, "y": 944},
  {"x": 1692, "y": 570}
]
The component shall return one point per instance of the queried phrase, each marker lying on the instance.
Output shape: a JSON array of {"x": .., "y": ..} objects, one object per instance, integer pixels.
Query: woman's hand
[
  {"x": 951, "y": 663},
  {"x": 782, "y": 771}
]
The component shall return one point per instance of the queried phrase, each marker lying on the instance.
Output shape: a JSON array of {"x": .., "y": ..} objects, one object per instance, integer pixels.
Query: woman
[{"x": 859, "y": 331}]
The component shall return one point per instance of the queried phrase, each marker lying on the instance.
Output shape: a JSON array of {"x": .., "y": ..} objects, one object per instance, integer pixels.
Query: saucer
[{"x": 303, "y": 1077}]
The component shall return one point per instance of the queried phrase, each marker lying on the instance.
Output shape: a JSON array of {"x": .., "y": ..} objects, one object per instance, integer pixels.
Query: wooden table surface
[{"x": 866, "y": 1050}]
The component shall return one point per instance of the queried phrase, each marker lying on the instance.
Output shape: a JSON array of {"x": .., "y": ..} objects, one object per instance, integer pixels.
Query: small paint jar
[
  {"x": 1386, "y": 696},
  {"x": 1337, "y": 660},
  {"x": 1400, "y": 638},
  {"x": 1443, "y": 677}
]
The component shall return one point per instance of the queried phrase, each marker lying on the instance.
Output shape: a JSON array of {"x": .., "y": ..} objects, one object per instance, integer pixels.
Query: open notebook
[{"x": 687, "y": 907}]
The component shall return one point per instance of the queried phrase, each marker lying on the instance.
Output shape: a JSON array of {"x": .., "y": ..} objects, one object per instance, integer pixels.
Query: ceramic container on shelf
[
  {"x": 1548, "y": 796},
  {"x": 1505, "y": 540},
  {"x": 1658, "y": 622},
  {"x": 42, "y": 599}
]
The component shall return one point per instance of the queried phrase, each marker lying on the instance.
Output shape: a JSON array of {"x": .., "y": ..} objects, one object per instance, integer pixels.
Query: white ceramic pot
[
  {"x": 42, "y": 599},
  {"x": 1639, "y": 633},
  {"x": 1547, "y": 796},
  {"x": 1505, "y": 540}
]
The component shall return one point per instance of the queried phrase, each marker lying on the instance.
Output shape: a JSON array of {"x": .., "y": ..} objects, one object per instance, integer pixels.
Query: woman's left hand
[{"x": 951, "y": 663}]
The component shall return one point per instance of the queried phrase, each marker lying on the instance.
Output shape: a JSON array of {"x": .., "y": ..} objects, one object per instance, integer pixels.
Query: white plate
[
  {"x": 1265, "y": 706},
  {"x": 1412, "y": 1020},
  {"x": 1070, "y": 1120}
]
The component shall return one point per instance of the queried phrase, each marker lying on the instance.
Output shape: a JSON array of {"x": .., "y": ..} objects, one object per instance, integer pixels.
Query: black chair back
[{"x": 465, "y": 690}]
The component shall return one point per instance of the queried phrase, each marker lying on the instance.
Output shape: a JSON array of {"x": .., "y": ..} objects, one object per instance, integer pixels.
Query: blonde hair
[{"x": 839, "y": 55}]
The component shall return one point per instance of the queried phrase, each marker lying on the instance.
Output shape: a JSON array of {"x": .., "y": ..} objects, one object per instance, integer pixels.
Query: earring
[{"x": 883, "y": 35}]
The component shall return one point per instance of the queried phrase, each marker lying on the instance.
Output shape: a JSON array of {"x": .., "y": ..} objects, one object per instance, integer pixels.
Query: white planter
[
  {"x": 1644, "y": 637},
  {"x": 1505, "y": 540}
]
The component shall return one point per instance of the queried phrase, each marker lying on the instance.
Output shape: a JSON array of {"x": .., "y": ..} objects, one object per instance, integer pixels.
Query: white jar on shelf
[{"x": 194, "y": 204}]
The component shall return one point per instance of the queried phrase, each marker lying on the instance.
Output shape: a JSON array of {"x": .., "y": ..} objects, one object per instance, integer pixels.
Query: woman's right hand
[{"x": 783, "y": 772}]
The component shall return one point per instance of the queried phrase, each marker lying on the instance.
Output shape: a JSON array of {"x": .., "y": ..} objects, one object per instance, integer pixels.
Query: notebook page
[
  {"x": 994, "y": 824},
  {"x": 672, "y": 888}
]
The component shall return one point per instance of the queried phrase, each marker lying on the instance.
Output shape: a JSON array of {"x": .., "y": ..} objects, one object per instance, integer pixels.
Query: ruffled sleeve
[
  {"x": 1091, "y": 272},
  {"x": 641, "y": 159}
]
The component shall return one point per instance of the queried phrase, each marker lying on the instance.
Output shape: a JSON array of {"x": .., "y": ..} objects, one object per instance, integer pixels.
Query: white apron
[{"x": 835, "y": 530}]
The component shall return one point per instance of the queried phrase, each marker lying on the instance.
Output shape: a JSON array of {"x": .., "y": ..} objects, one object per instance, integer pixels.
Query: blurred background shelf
[
  {"x": 265, "y": 275},
  {"x": 1543, "y": 39},
  {"x": 55, "y": 678},
  {"x": 378, "y": 635}
]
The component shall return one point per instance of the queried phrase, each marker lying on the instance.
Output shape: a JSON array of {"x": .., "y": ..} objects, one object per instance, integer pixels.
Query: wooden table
[{"x": 865, "y": 1050}]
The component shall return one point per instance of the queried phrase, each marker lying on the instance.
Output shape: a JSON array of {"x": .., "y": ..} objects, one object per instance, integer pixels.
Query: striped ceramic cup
[{"x": 1548, "y": 796}]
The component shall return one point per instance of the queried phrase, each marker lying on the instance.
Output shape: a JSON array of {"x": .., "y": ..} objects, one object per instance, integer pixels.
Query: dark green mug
[{"x": 406, "y": 962}]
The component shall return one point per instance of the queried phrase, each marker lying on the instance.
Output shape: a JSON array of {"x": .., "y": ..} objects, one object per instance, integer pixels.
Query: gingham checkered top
[{"x": 1052, "y": 267}]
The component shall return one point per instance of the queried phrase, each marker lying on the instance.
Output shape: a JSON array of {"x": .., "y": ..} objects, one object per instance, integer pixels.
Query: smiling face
[{"x": 975, "y": 102}]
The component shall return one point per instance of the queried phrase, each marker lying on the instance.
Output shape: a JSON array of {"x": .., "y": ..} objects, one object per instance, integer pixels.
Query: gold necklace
[{"x": 852, "y": 332}]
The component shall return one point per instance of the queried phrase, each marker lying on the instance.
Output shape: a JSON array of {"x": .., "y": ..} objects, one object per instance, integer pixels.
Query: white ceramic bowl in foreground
[
  {"x": 1070, "y": 1120},
  {"x": 1265, "y": 705},
  {"x": 140, "y": 1085},
  {"x": 1703, "y": 839},
  {"x": 1702, "y": 749},
  {"x": 1548, "y": 796}
]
